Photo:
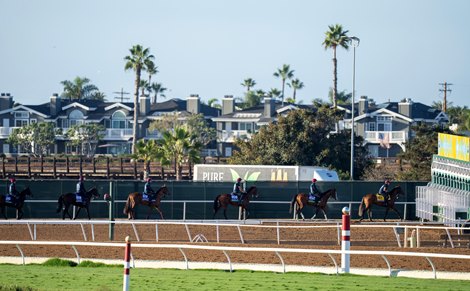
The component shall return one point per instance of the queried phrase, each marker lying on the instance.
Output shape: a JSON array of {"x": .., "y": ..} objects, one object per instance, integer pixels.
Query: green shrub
[{"x": 56, "y": 262}]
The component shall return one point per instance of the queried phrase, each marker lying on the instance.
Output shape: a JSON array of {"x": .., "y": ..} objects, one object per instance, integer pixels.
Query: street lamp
[{"x": 355, "y": 43}]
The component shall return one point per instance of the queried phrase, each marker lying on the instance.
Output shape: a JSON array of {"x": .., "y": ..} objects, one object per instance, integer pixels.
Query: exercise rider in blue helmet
[{"x": 314, "y": 192}]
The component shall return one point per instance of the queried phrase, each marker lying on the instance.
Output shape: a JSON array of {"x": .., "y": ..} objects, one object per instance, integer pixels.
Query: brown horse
[
  {"x": 135, "y": 199},
  {"x": 223, "y": 200},
  {"x": 18, "y": 204},
  {"x": 371, "y": 199},
  {"x": 67, "y": 199},
  {"x": 301, "y": 200}
]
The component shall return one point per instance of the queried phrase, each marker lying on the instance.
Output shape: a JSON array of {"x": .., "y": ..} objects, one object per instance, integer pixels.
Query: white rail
[{"x": 224, "y": 249}]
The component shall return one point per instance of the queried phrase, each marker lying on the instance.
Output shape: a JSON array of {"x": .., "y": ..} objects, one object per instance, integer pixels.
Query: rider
[
  {"x": 314, "y": 190},
  {"x": 238, "y": 189},
  {"x": 384, "y": 190},
  {"x": 148, "y": 189},
  {"x": 12, "y": 190},
  {"x": 81, "y": 188}
]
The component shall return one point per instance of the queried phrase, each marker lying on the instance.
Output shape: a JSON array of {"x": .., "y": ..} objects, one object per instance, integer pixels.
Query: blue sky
[{"x": 208, "y": 47}]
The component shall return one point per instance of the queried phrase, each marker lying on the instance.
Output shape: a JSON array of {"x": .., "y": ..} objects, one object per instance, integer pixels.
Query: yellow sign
[{"x": 453, "y": 146}]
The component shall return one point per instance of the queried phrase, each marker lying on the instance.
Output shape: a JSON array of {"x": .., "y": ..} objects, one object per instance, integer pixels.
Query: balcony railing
[
  {"x": 116, "y": 133},
  {"x": 392, "y": 136},
  {"x": 231, "y": 135}
]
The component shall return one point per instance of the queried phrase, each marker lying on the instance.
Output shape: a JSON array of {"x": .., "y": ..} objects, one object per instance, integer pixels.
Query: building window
[
  {"x": 248, "y": 126},
  {"x": 22, "y": 114},
  {"x": 384, "y": 123},
  {"x": 75, "y": 118},
  {"x": 21, "y": 122},
  {"x": 118, "y": 120},
  {"x": 371, "y": 126}
]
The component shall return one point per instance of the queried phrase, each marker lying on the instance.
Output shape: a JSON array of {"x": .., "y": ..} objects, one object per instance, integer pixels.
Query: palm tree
[
  {"x": 139, "y": 59},
  {"x": 214, "y": 102},
  {"x": 274, "y": 93},
  {"x": 336, "y": 37},
  {"x": 342, "y": 98},
  {"x": 98, "y": 96},
  {"x": 148, "y": 151},
  {"x": 248, "y": 83},
  {"x": 178, "y": 146},
  {"x": 296, "y": 85},
  {"x": 157, "y": 89},
  {"x": 285, "y": 73},
  {"x": 145, "y": 86},
  {"x": 151, "y": 70},
  {"x": 79, "y": 88}
]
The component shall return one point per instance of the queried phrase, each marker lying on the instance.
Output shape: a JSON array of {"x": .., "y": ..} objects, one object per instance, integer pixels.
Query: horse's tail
[
  {"x": 126, "y": 207},
  {"x": 61, "y": 203},
  {"x": 292, "y": 202},
  {"x": 216, "y": 203},
  {"x": 361, "y": 209}
]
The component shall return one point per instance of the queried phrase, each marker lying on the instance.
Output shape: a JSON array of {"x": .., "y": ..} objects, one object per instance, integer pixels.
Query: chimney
[
  {"x": 405, "y": 107},
  {"x": 193, "y": 104},
  {"x": 268, "y": 106},
  {"x": 6, "y": 101},
  {"x": 55, "y": 104},
  {"x": 144, "y": 105},
  {"x": 228, "y": 104},
  {"x": 363, "y": 105}
]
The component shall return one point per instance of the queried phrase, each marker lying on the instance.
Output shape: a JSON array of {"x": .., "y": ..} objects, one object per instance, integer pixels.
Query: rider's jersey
[
  {"x": 383, "y": 190},
  {"x": 236, "y": 188},
  {"x": 314, "y": 189},
  {"x": 80, "y": 188},
  {"x": 148, "y": 189},
  {"x": 12, "y": 189}
]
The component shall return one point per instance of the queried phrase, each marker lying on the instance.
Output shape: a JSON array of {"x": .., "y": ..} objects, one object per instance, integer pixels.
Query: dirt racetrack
[{"x": 379, "y": 238}]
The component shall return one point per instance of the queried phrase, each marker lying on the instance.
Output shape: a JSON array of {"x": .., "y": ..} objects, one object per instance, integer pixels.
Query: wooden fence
[{"x": 53, "y": 167}]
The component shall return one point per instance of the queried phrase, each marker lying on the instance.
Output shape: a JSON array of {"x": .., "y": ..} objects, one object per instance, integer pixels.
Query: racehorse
[
  {"x": 67, "y": 199},
  {"x": 370, "y": 199},
  {"x": 135, "y": 199},
  {"x": 18, "y": 204},
  {"x": 301, "y": 200},
  {"x": 223, "y": 200}
]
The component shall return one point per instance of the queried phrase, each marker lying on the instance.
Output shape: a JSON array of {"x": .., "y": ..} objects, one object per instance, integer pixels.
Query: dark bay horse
[
  {"x": 371, "y": 199},
  {"x": 301, "y": 200},
  {"x": 67, "y": 199},
  {"x": 223, "y": 200},
  {"x": 18, "y": 204},
  {"x": 135, "y": 199}
]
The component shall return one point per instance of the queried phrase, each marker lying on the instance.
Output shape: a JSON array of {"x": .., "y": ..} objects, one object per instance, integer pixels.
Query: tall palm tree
[
  {"x": 148, "y": 151},
  {"x": 214, "y": 102},
  {"x": 285, "y": 73},
  {"x": 157, "y": 89},
  {"x": 151, "y": 70},
  {"x": 139, "y": 59},
  {"x": 177, "y": 146},
  {"x": 145, "y": 86},
  {"x": 296, "y": 85},
  {"x": 274, "y": 93},
  {"x": 336, "y": 37},
  {"x": 248, "y": 83},
  {"x": 79, "y": 88}
]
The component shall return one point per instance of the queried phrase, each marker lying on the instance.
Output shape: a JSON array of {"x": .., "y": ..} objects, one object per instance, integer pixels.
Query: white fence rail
[
  {"x": 225, "y": 249},
  {"x": 398, "y": 228}
]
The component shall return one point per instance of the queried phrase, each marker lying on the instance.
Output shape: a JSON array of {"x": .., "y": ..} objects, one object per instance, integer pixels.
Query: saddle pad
[
  {"x": 78, "y": 198},
  {"x": 8, "y": 198},
  {"x": 234, "y": 197},
  {"x": 380, "y": 198},
  {"x": 312, "y": 198},
  {"x": 145, "y": 197}
]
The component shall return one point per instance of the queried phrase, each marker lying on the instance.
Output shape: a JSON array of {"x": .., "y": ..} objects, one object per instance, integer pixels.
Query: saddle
[
  {"x": 313, "y": 199},
  {"x": 380, "y": 197},
  {"x": 146, "y": 197},
  {"x": 234, "y": 197},
  {"x": 78, "y": 198},
  {"x": 10, "y": 199}
]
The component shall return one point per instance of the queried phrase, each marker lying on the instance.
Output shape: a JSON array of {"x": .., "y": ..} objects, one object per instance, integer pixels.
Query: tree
[
  {"x": 252, "y": 99},
  {"x": 100, "y": 96},
  {"x": 35, "y": 138},
  {"x": 178, "y": 146},
  {"x": 248, "y": 83},
  {"x": 302, "y": 137},
  {"x": 419, "y": 152},
  {"x": 285, "y": 73},
  {"x": 214, "y": 102},
  {"x": 295, "y": 85},
  {"x": 336, "y": 37},
  {"x": 79, "y": 88},
  {"x": 85, "y": 137},
  {"x": 151, "y": 70},
  {"x": 342, "y": 98},
  {"x": 139, "y": 59},
  {"x": 157, "y": 89},
  {"x": 274, "y": 93},
  {"x": 145, "y": 86},
  {"x": 147, "y": 151}
]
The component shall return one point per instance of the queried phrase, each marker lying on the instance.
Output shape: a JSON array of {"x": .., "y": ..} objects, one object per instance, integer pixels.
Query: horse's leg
[
  {"x": 324, "y": 213},
  {"x": 76, "y": 215},
  {"x": 369, "y": 213},
  {"x": 88, "y": 212},
  {"x": 225, "y": 212},
  {"x": 4, "y": 212},
  {"x": 19, "y": 213},
  {"x": 398, "y": 213},
  {"x": 315, "y": 214},
  {"x": 149, "y": 212},
  {"x": 386, "y": 212},
  {"x": 160, "y": 212}
]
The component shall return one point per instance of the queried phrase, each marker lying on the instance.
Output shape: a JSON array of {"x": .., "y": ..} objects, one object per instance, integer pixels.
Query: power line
[
  {"x": 445, "y": 90},
  {"x": 122, "y": 93}
]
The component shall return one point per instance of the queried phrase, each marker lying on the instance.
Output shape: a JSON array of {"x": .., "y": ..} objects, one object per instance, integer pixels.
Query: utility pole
[
  {"x": 445, "y": 90},
  {"x": 122, "y": 93}
]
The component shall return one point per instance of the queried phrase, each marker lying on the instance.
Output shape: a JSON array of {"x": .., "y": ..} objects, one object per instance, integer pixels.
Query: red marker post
[
  {"x": 127, "y": 265},
  {"x": 345, "y": 240}
]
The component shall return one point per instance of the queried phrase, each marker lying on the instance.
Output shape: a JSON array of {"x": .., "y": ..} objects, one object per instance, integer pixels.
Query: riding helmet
[
  {"x": 239, "y": 179},
  {"x": 387, "y": 181},
  {"x": 149, "y": 179},
  {"x": 12, "y": 180},
  {"x": 81, "y": 178},
  {"x": 314, "y": 180}
]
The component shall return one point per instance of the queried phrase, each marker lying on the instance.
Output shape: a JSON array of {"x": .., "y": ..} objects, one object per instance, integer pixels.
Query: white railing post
[
  {"x": 127, "y": 257},
  {"x": 346, "y": 244}
]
